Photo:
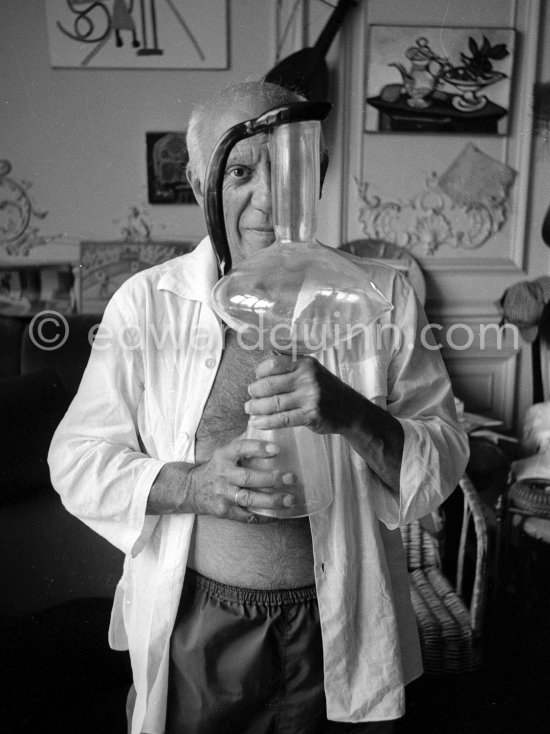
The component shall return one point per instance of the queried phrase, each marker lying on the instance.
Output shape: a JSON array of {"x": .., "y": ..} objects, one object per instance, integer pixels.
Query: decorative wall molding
[
  {"x": 476, "y": 311},
  {"x": 17, "y": 235},
  {"x": 431, "y": 219},
  {"x": 487, "y": 338},
  {"x": 485, "y": 382},
  {"x": 488, "y": 266},
  {"x": 519, "y": 148}
]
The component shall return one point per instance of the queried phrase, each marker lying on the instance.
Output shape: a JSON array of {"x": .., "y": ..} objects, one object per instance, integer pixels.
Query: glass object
[{"x": 297, "y": 297}]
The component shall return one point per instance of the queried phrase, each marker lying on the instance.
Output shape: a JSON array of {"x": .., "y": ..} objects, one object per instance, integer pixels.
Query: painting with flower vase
[{"x": 449, "y": 80}]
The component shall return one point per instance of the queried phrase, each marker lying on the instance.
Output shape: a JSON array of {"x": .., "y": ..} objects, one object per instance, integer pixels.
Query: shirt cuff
[
  {"x": 420, "y": 464},
  {"x": 144, "y": 524},
  {"x": 132, "y": 533}
]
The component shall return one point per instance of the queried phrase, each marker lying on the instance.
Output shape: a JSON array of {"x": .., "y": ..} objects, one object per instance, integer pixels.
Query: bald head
[{"x": 234, "y": 104}]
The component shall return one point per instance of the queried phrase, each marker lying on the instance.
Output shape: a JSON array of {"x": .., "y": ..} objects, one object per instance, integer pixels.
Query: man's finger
[
  {"x": 247, "y": 448},
  {"x": 272, "y": 384},
  {"x": 258, "y": 477},
  {"x": 250, "y": 500},
  {"x": 272, "y": 405},
  {"x": 243, "y": 498},
  {"x": 278, "y": 364},
  {"x": 286, "y": 419}
]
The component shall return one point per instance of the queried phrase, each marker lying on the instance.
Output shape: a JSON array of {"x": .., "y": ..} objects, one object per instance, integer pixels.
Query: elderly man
[{"x": 235, "y": 626}]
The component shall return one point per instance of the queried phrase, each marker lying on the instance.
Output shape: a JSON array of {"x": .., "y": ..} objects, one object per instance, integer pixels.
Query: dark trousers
[{"x": 245, "y": 661}]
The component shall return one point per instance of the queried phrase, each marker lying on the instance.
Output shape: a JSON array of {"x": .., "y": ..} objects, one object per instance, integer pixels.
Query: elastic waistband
[{"x": 267, "y": 597}]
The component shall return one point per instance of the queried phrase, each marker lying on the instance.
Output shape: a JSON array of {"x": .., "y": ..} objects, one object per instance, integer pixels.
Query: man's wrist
[
  {"x": 354, "y": 409},
  {"x": 377, "y": 436},
  {"x": 172, "y": 491}
]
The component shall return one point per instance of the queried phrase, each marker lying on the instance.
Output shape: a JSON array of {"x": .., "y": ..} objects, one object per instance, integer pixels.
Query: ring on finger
[{"x": 242, "y": 498}]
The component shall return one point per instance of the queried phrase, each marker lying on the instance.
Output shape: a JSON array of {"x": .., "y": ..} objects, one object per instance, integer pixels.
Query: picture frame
[
  {"x": 138, "y": 34},
  {"x": 167, "y": 158},
  {"x": 105, "y": 265},
  {"x": 439, "y": 79}
]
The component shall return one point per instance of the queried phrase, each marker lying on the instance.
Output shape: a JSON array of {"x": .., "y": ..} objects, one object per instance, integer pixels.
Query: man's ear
[{"x": 195, "y": 182}]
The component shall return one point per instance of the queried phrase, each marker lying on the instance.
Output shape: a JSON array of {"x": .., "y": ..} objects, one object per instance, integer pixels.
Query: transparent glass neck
[{"x": 295, "y": 180}]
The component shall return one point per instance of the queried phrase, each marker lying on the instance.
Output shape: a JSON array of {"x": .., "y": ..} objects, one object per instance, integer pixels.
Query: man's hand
[
  {"x": 221, "y": 487},
  {"x": 299, "y": 393},
  {"x": 304, "y": 393}
]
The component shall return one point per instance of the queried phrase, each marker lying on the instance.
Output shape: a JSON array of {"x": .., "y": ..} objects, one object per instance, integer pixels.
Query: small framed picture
[
  {"x": 167, "y": 159},
  {"x": 104, "y": 266},
  {"x": 439, "y": 80}
]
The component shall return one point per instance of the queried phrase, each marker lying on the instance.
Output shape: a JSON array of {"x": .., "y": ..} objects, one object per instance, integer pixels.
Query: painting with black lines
[{"x": 167, "y": 34}]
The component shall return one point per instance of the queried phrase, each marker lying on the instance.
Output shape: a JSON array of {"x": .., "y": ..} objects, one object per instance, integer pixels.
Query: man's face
[{"x": 247, "y": 188}]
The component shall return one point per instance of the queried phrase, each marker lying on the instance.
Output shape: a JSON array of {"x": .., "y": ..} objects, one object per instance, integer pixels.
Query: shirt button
[
  {"x": 185, "y": 436},
  {"x": 210, "y": 362}
]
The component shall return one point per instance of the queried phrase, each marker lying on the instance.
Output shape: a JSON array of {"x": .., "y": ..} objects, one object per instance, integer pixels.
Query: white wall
[{"x": 79, "y": 135}]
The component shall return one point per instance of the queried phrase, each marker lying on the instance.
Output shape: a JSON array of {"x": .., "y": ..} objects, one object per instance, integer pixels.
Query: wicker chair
[{"x": 449, "y": 621}]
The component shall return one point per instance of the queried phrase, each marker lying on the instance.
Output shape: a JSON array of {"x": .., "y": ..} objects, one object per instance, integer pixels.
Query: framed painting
[
  {"x": 439, "y": 80},
  {"x": 140, "y": 34},
  {"x": 104, "y": 266},
  {"x": 167, "y": 160}
]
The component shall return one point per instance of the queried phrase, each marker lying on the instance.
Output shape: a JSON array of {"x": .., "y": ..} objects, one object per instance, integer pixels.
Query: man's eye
[{"x": 238, "y": 172}]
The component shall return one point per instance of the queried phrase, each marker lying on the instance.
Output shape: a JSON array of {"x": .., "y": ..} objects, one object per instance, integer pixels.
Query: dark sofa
[{"x": 58, "y": 577}]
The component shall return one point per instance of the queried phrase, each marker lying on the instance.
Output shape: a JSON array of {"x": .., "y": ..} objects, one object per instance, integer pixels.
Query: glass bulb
[{"x": 297, "y": 298}]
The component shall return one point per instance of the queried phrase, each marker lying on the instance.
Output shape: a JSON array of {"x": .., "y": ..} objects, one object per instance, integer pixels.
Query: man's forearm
[
  {"x": 170, "y": 492},
  {"x": 377, "y": 437}
]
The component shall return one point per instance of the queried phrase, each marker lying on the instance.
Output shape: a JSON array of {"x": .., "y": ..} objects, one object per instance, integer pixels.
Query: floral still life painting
[{"x": 449, "y": 80}]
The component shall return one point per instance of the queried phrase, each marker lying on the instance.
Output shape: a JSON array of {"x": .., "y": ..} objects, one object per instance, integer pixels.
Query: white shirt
[{"x": 138, "y": 406}]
